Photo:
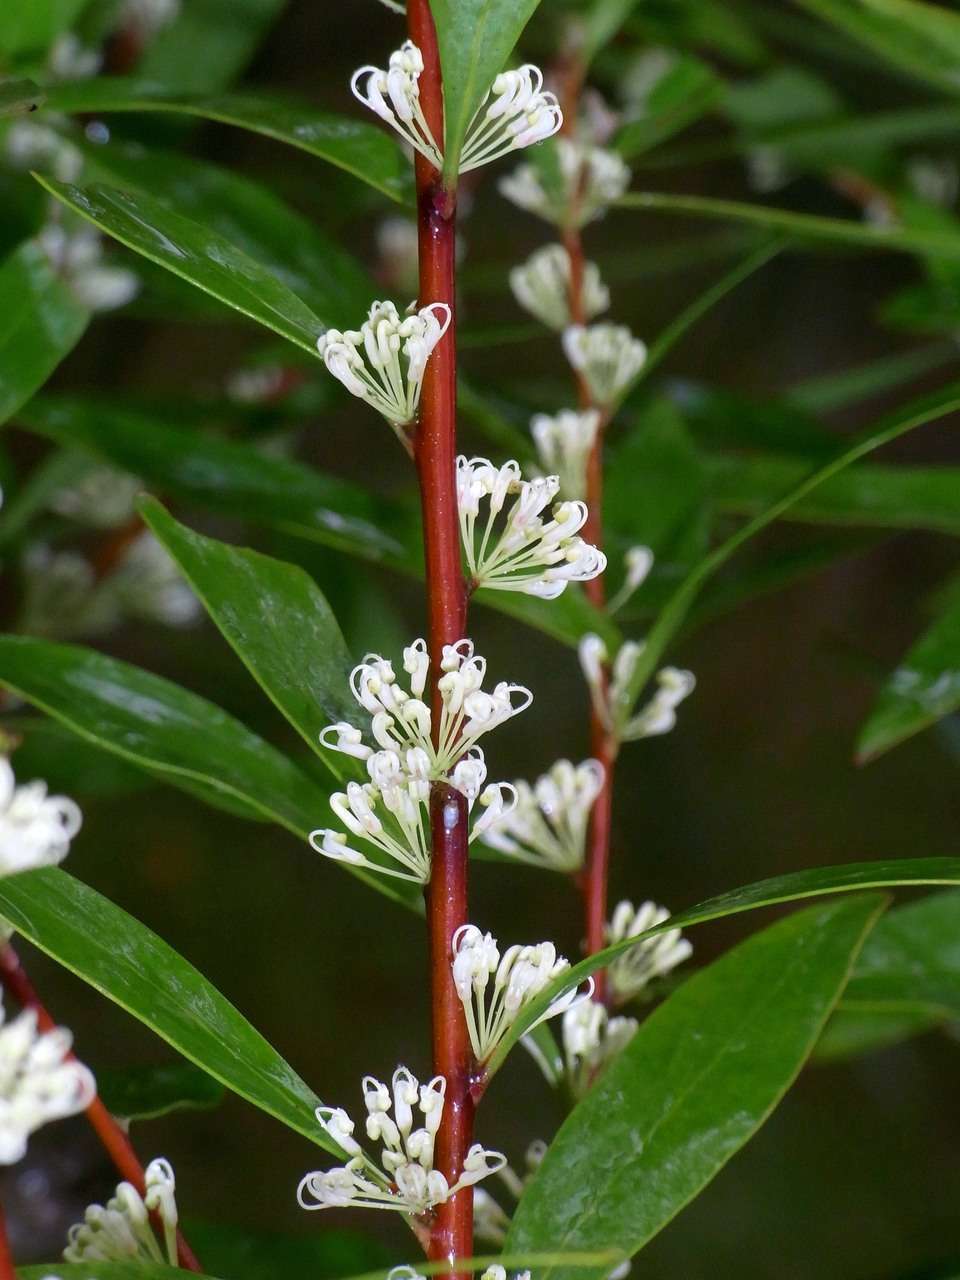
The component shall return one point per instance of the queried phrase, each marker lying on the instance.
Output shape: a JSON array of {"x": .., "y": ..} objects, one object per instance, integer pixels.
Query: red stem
[
  {"x": 435, "y": 450},
  {"x": 118, "y": 1146},
  {"x": 7, "y": 1268}
]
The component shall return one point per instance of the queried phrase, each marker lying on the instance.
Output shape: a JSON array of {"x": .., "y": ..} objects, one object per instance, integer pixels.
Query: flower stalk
[{"x": 435, "y": 453}]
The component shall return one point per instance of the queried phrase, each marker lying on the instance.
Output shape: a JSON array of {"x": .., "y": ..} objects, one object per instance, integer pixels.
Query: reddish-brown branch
[
  {"x": 16, "y": 982},
  {"x": 7, "y": 1269},
  {"x": 435, "y": 456}
]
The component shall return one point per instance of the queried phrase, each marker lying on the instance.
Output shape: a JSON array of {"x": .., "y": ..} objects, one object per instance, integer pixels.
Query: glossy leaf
[
  {"x": 924, "y": 687},
  {"x": 19, "y": 97},
  {"x": 276, "y": 620},
  {"x": 195, "y": 254},
  {"x": 476, "y": 38},
  {"x": 146, "y": 1093},
  {"x": 51, "y": 751},
  {"x": 802, "y": 226},
  {"x": 686, "y": 91},
  {"x": 764, "y": 893},
  {"x": 40, "y": 323},
  {"x": 698, "y": 1079},
  {"x": 359, "y": 148},
  {"x": 130, "y": 965}
]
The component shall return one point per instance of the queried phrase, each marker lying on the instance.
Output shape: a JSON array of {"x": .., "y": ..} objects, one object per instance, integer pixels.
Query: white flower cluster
[
  {"x": 542, "y": 287},
  {"x": 389, "y": 812},
  {"x": 39, "y": 1081},
  {"x": 591, "y": 1040},
  {"x": 514, "y": 113},
  {"x": 637, "y": 563},
  {"x": 120, "y": 1231},
  {"x": 591, "y": 178},
  {"x": 407, "y": 1181},
  {"x": 35, "y": 828},
  {"x": 31, "y": 145},
  {"x": 101, "y": 497},
  {"x": 535, "y": 556},
  {"x": 383, "y": 361},
  {"x": 148, "y": 16},
  {"x": 607, "y": 355},
  {"x": 564, "y": 443},
  {"x": 632, "y": 971},
  {"x": 148, "y": 584},
  {"x": 77, "y": 256},
  {"x": 547, "y": 826},
  {"x": 518, "y": 978},
  {"x": 612, "y": 700},
  {"x": 70, "y": 59}
]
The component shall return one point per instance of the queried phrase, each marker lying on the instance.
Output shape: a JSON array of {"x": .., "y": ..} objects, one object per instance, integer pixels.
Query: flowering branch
[
  {"x": 118, "y": 1146},
  {"x": 435, "y": 456}
]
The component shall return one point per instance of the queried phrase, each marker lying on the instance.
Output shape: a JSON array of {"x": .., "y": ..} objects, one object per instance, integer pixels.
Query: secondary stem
[
  {"x": 435, "y": 456},
  {"x": 7, "y": 1268},
  {"x": 16, "y": 982}
]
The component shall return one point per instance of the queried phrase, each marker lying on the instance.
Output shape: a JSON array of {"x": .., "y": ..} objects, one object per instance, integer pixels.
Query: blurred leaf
[
  {"x": 701, "y": 1075},
  {"x": 802, "y": 226},
  {"x": 731, "y": 421},
  {"x": 600, "y": 23},
  {"x": 869, "y": 495},
  {"x": 475, "y": 37},
  {"x": 146, "y": 1093},
  {"x": 924, "y": 688},
  {"x": 228, "y": 32},
  {"x": 780, "y": 97},
  {"x": 906, "y": 980},
  {"x": 359, "y": 148},
  {"x": 19, "y": 97},
  {"x": 243, "y": 1254},
  {"x": 543, "y": 1049},
  {"x": 196, "y": 254},
  {"x": 173, "y": 734},
  {"x": 685, "y": 92},
  {"x": 67, "y": 764},
  {"x": 923, "y": 39},
  {"x": 106, "y": 1271},
  {"x": 709, "y": 24},
  {"x": 276, "y": 620},
  {"x": 764, "y": 893},
  {"x": 29, "y": 26},
  {"x": 928, "y": 307},
  {"x": 831, "y": 391},
  {"x": 250, "y": 217},
  {"x": 121, "y": 958},
  {"x": 40, "y": 323}
]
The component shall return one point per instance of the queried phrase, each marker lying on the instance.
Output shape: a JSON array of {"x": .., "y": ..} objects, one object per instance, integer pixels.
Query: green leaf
[
  {"x": 358, "y": 148},
  {"x": 105, "y": 1271},
  {"x": 19, "y": 97},
  {"x": 853, "y": 1032},
  {"x": 475, "y": 37},
  {"x": 832, "y": 391},
  {"x": 702, "y": 1074},
  {"x": 29, "y": 26},
  {"x": 40, "y": 323},
  {"x": 195, "y": 254},
  {"x": 924, "y": 688},
  {"x": 146, "y": 1093},
  {"x": 802, "y": 226},
  {"x": 51, "y": 751},
  {"x": 130, "y": 965},
  {"x": 685, "y": 92},
  {"x": 764, "y": 893},
  {"x": 275, "y": 618},
  {"x": 243, "y": 1254},
  {"x": 228, "y": 32},
  {"x": 250, "y": 216},
  {"x": 923, "y": 39}
]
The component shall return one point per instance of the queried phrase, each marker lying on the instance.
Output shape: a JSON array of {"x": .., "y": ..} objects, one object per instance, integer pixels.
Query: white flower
[
  {"x": 78, "y": 257},
  {"x": 547, "y": 826},
  {"x": 591, "y": 1039},
  {"x": 148, "y": 584},
  {"x": 69, "y": 59},
  {"x": 407, "y": 1181},
  {"x": 258, "y": 384},
  {"x": 30, "y": 145},
  {"x": 564, "y": 444},
  {"x": 514, "y": 113},
  {"x": 591, "y": 178},
  {"x": 39, "y": 1081},
  {"x": 148, "y": 16},
  {"x": 384, "y": 361},
  {"x": 535, "y": 556},
  {"x": 611, "y": 698},
  {"x": 401, "y": 720},
  {"x": 607, "y": 355},
  {"x": 398, "y": 246},
  {"x": 98, "y": 496},
  {"x": 391, "y": 812},
  {"x": 630, "y": 973},
  {"x": 121, "y": 1230},
  {"x": 496, "y": 1272},
  {"x": 541, "y": 285},
  {"x": 35, "y": 828},
  {"x": 637, "y": 563},
  {"x": 518, "y": 978}
]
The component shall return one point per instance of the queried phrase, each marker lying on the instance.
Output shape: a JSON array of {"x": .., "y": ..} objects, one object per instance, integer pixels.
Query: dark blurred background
[{"x": 857, "y": 1175}]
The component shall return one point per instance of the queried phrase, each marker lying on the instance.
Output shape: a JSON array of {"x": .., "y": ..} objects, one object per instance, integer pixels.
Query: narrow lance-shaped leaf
[
  {"x": 700, "y": 1076},
  {"x": 19, "y": 97},
  {"x": 924, "y": 688},
  {"x": 359, "y": 148},
  {"x": 125, "y": 961},
  {"x": 228, "y": 36},
  {"x": 686, "y": 90},
  {"x": 275, "y": 618},
  {"x": 146, "y": 1093},
  {"x": 29, "y": 26},
  {"x": 196, "y": 254},
  {"x": 40, "y": 323},
  {"x": 764, "y": 893}
]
